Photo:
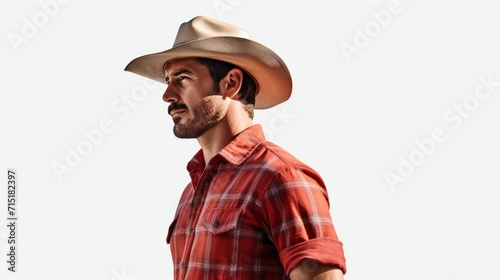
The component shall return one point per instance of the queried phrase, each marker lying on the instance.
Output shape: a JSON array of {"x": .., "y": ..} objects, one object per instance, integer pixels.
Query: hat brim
[{"x": 273, "y": 79}]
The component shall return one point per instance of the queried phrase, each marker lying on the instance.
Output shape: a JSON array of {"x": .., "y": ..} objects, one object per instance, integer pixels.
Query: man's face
[{"x": 195, "y": 107}]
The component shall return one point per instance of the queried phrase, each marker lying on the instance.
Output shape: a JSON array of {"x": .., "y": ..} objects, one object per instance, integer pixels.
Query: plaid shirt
[{"x": 254, "y": 212}]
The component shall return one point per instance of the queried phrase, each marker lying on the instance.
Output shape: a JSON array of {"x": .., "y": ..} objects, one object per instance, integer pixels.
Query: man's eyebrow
[{"x": 178, "y": 72}]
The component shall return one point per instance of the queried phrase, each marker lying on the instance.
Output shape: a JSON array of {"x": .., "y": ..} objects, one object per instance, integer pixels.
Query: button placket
[{"x": 197, "y": 201}]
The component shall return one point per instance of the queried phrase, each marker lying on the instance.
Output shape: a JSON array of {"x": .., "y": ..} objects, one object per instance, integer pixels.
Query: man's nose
[{"x": 170, "y": 95}]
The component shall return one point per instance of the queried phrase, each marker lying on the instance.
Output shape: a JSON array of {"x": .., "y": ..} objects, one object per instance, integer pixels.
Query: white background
[{"x": 352, "y": 117}]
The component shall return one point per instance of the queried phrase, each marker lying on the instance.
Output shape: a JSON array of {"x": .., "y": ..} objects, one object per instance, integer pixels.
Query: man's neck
[{"x": 216, "y": 138}]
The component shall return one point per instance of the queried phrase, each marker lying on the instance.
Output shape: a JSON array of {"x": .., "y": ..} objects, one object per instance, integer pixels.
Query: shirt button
[
  {"x": 216, "y": 224},
  {"x": 191, "y": 229},
  {"x": 206, "y": 184},
  {"x": 183, "y": 265}
]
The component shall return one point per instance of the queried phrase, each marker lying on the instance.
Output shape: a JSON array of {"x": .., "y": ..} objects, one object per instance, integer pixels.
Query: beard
[{"x": 204, "y": 117}]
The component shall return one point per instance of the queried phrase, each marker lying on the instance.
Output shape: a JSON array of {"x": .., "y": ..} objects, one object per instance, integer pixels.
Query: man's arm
[{"x": 312, "y": 270}]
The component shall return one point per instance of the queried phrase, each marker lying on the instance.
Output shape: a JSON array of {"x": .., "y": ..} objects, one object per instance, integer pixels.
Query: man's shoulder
[
  {"x": 253, "y": 154},
  {"x": 276, "y": 156},
  {"x": 283, "y": 167}
]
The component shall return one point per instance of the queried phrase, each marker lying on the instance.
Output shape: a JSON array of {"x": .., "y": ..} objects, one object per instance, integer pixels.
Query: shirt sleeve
[{"x": 297, "y": 214}]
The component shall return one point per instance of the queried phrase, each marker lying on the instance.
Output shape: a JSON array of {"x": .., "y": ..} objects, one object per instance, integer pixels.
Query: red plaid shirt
[{"x": 254, "y": 212}]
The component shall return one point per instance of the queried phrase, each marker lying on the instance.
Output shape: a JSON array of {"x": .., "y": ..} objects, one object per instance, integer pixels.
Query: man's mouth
[
  {"x": 176, "y": 108},
  {"x": 174, "y": 112}
]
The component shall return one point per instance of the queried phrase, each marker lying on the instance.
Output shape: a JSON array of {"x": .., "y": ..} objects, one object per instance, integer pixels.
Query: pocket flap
[{"x": 218, "y": 221}]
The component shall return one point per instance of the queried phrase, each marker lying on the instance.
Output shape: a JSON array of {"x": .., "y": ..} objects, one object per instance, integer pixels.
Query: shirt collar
[
  {"x": 243, "y": 144},
  {"x": 236, "y": 151}
]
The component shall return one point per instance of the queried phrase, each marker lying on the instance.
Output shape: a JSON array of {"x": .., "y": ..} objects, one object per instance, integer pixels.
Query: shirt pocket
[
  {"x": 171, "y": 229},
  {"x": 219, "y": 221}
]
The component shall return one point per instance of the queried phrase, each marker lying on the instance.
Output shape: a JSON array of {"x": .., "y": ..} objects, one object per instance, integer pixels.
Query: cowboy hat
[{"x": 209, "y": 38}]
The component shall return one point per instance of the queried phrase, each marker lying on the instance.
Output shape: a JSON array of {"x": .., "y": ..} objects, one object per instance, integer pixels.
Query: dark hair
[{"x": 218, "y": 69}]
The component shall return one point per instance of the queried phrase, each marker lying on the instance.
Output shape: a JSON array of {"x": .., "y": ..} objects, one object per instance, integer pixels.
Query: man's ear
[{"x": 231, "y": 83}]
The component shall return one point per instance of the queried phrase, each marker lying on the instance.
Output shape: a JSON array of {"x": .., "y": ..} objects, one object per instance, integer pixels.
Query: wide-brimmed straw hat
[{"x": 206, "y": 37}]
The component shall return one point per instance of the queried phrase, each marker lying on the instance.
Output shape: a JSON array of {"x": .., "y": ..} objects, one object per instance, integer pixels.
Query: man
[{"x": 251, "y": 210}]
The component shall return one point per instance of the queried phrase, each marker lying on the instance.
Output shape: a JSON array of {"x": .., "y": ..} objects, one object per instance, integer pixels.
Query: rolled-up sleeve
[{"x": 296, "y": 211}]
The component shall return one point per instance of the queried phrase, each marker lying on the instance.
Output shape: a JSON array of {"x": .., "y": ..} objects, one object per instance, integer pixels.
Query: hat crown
[{"x": 202, "y": 27}]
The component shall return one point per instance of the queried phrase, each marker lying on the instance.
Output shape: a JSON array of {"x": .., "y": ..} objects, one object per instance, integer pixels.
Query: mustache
[{"x": 176, "y": 106}]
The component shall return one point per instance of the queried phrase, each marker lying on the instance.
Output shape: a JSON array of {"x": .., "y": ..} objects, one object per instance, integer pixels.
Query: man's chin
[{"x": 180, "y": 131}]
